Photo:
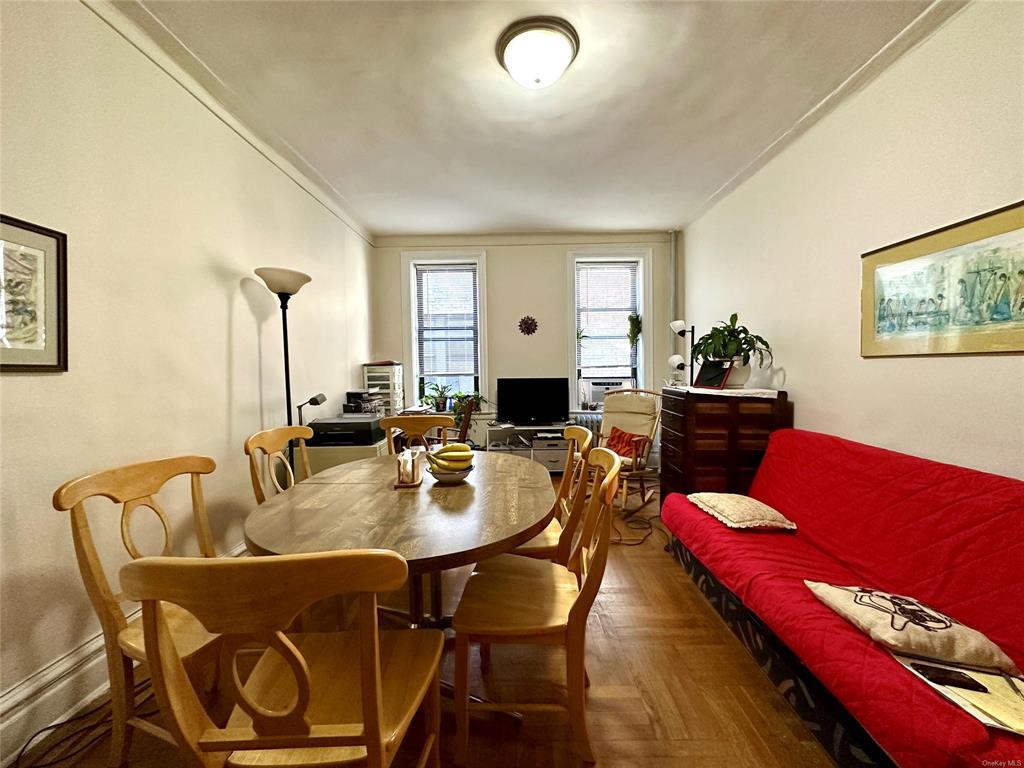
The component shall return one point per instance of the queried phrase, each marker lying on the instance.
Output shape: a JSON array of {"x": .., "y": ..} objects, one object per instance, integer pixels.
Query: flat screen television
[{"x": 527, "y": 402}]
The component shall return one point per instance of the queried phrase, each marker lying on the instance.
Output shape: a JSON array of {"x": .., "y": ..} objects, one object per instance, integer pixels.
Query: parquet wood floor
[{"x": 670, "y": 687}]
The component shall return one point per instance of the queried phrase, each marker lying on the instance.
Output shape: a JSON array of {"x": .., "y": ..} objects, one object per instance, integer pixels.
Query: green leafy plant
[
  {"x": 635, "y": 327},
  {"x": 437, "y": 395},
  {"x": 461, "y": 400},
  {"x": 727, "y": 341}
]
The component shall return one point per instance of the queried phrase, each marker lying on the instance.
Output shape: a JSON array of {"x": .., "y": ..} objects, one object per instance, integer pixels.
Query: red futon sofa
[{"x": 949, "y": 536}]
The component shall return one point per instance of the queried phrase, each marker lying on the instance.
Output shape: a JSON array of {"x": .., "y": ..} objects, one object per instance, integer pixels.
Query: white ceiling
[{"x": 401, "y": 110}]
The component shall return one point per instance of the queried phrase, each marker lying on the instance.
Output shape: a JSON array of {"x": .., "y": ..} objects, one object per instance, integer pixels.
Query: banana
[
  {"x": 451, "y": 467},
  {"x": 455, "y": 456},
  {"x": 454, "y": 448},
  {"x": 448, "y": 466}
]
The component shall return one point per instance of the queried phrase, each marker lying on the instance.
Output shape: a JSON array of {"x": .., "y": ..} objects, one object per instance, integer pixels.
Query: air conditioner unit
[{"x": 597, "y": 389}]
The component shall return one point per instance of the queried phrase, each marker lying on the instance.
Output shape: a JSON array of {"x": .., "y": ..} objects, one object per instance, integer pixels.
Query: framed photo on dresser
[{"x": 713, "y": 374}]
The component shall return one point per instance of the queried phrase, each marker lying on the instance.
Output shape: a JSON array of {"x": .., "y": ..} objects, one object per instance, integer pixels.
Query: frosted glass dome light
[{"x": 537, "y": 51}]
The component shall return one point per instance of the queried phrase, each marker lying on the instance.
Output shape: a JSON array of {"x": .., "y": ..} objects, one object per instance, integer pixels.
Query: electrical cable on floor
[
  {"x": 67, "y": 741},
  {"x": 637, "y": 522}
]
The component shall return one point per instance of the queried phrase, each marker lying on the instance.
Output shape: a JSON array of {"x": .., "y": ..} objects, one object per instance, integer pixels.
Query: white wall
[
  {"x": 526, "y": 275},
  {"x": 939, "y": 137},
  {"x": 174, "y": 346}
]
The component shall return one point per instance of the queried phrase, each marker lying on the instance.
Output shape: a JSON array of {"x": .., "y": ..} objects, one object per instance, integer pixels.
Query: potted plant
[
  {"x": 635, "y": 326},
  {"x": 729, "y": 341},
  {"x": 633, "y": 337},
  {"x": 437, "y": 396},
  {"x": 460, "y": 400}
]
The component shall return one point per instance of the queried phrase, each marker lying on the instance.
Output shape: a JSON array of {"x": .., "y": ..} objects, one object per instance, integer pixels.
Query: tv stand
[{"x": 542, "y": 443}]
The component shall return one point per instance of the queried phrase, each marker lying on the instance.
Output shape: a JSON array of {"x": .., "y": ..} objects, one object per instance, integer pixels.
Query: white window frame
[
  {"x": 644, "y": 258},
  {"x": 410, "y": 259}
]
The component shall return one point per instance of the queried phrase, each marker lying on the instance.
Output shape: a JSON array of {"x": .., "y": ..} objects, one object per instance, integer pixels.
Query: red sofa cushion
[{"x": 950, "y": 536}]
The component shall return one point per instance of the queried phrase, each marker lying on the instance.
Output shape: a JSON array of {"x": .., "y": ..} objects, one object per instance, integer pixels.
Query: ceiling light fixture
[{"x": 537, "y": 50}]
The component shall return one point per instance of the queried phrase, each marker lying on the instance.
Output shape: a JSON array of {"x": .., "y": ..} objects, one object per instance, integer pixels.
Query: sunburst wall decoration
[{"x": 528, "y": 326}]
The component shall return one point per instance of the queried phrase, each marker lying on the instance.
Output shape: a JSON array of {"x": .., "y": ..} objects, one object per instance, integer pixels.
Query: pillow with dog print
[{"x": 908, "y": 626}]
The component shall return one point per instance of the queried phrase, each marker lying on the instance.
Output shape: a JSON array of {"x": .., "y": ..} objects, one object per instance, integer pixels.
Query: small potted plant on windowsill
[
  {"x": 437, "y": 396},
  {"x": 729, "y": 341}
]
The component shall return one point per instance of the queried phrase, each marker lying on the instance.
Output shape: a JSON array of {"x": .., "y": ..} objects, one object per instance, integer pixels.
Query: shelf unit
[
  {"x": 388, "y": 379},
  {"x": 543, "y": 444}
]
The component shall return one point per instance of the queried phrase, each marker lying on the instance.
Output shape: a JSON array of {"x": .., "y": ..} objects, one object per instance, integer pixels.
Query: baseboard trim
[{"x": 23, "y": 705}]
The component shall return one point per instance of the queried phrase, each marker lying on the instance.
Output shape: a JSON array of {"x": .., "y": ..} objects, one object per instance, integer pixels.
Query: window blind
[
  {"x": 606, "y": 295},
  {"x": 447, "y": 326}
]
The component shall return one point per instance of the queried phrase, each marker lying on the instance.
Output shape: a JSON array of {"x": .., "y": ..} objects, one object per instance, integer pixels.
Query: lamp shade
[
  {"x": 677, "y": 362},
  {"x": 280, "y": 280},
  {"x": 679, "y": 327}
]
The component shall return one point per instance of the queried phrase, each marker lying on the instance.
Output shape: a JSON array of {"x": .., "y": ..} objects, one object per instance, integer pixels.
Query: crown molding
[
  {"x": 923, "y": 26},
  {"x": 143, "y": 31}
]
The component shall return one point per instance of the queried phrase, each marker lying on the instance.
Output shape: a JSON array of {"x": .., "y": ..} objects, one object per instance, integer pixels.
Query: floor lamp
[
  {"x": 678, "y": 362},
  {"x": 285, "y": 283}
]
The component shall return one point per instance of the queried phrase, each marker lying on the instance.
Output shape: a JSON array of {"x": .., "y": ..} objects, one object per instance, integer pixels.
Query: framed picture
[
  {"x": 957, "y": 290},
  {"x": 33, "y": 286},
  {"x": 713, "y": 374}
]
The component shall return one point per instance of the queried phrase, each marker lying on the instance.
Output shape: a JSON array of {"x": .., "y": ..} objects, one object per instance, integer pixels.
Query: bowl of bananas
[{"x": 450, "y": 463}]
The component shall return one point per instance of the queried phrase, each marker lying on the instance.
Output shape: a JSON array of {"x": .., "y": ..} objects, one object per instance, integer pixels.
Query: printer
[{"x": 347, "y": 429}]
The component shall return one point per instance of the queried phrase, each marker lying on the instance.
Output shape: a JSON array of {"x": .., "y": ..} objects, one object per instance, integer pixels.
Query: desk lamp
[{"x": 314, "y": 400}]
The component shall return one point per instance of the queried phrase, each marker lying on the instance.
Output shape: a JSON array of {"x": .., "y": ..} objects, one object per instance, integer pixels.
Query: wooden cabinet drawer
[
  {"x": 674, "y": 421},
  {"x": 671, "y": 450},
  {"x": 671, "y": 479},
  {"x": 711, "y": 481},
  {"x": 672, "y": 404}
]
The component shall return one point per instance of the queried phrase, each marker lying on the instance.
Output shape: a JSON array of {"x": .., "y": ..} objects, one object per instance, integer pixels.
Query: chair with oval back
[
  {"x": 132, "y": 487},
  {"x": 538, "y": 602},
  {"x": 271, "y": 443},
  {"x": 416, "y": 428},
  {"x": 311, "y": 700},
  {"x": 554, "y": 541}
]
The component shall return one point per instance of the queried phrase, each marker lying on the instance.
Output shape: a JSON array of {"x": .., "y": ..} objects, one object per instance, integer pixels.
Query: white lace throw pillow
[
  {"x": 905, "y": 625},
  {"x": 738, "y": 511}
]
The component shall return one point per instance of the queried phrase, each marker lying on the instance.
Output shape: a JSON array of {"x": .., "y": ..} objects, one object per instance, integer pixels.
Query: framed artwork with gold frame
[{"x": 956, "y": 290}]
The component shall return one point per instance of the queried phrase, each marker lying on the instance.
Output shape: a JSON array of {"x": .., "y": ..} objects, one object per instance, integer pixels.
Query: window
[
  {"x": 446, "y": 325},
  {"x": 606, "y": 295}
]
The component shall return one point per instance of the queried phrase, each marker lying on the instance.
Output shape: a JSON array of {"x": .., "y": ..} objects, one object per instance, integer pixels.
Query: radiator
[{"x": 589, "y": 419}]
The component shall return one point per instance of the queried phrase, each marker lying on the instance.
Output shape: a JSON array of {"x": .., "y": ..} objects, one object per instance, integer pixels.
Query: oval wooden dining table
[{"x": 505, "y": 501}]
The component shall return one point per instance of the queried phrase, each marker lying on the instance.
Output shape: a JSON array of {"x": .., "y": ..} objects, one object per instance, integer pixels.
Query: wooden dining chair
[
  {"x": 416, "y": 428},
  {"x": 554, "y": 542},
  {"x": 530, "y": 601},
  {"x": 315, "y": 699},
  {"x": 132, "y": 487},
  {"x": 461, "y": 431},
  {"x": 266, "y": 454}
]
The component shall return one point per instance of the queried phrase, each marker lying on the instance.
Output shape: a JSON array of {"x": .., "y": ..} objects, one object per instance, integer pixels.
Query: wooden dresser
[{"x": 714, "y": 441}]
